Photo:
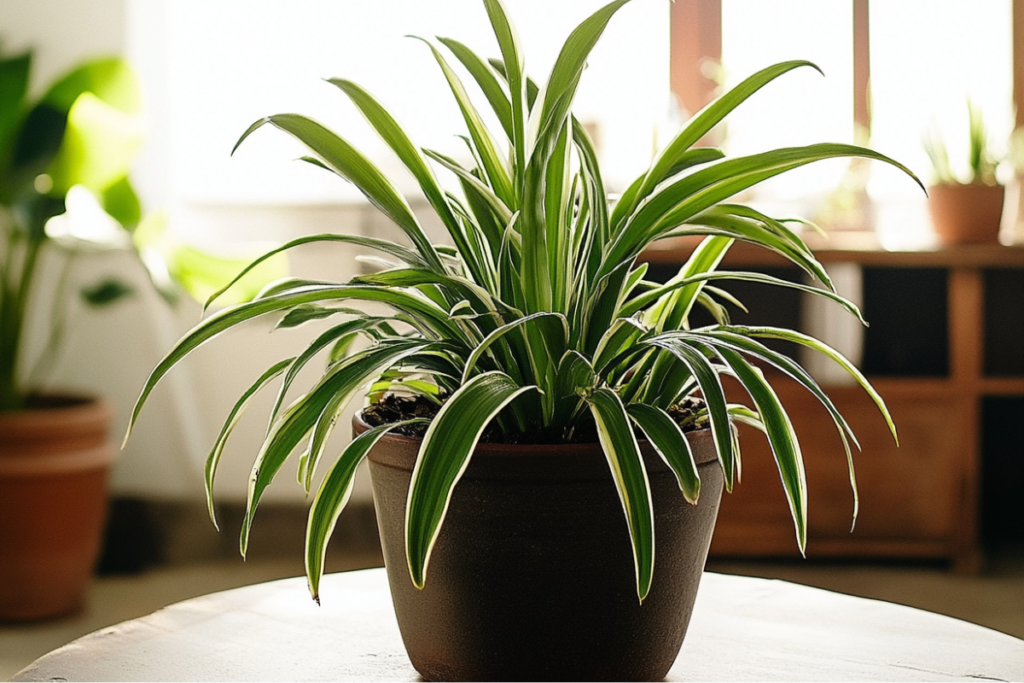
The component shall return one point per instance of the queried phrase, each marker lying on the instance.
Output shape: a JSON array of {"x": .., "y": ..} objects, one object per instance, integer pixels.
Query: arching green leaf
[
  {"x": 627, "y": 466},
  {"x": 444, "y": 456}
]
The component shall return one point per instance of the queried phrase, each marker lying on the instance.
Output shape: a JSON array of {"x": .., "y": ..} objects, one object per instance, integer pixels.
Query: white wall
[{"x": 62, "y": 32}]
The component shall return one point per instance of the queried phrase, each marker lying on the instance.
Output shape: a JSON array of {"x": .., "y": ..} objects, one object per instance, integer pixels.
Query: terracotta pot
[
  {"x": 966, "y": 214},
  {"x": 532, "y": 575},
  {"x": 53, "y": 500}
]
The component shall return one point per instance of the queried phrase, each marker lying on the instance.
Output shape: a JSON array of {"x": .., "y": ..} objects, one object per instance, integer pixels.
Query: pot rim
[
  {"x": 566, "y": 449},
  {"x": 68, "y": 404},
  {"x": 70, "y": 436}
]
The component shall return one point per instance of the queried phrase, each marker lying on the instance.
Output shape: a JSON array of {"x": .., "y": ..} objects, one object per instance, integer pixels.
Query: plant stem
[
  {"x": 15, "y": 300},
  {"x": 59, "y": 316}
]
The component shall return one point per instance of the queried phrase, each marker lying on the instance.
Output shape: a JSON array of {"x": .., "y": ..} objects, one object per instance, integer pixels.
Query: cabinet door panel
[{"x": 909, "y": 495}]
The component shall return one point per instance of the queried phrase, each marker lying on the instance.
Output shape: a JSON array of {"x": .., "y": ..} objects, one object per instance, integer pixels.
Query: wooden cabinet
[{"x": 921, "y": 499}]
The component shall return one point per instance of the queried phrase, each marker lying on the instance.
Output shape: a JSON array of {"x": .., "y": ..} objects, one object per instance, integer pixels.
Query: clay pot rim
[
  {"x": 971, "y": 184},
  {"x": 51, "y": 402},
  {"x": 72, "y": 411},
  {"x": 60, "y": 439},
  {"x": 520, "y": 450}
]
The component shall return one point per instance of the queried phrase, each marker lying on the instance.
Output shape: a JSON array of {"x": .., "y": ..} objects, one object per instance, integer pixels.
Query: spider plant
[{"x": 537, "y": 318}]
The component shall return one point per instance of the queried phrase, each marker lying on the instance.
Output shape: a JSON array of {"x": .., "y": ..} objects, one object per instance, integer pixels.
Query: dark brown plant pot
[
  {"x": 966, "y": 214},
  {"x": 532, "y": 575},
  {"x": 54, "y": 463}
]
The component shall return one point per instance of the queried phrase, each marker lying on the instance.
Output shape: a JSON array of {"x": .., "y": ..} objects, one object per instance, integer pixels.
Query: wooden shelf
[
  {"x": 1002, "y": 386},
  {"x": 852, "y": 247},
  {"x": 918, "y": 500}
]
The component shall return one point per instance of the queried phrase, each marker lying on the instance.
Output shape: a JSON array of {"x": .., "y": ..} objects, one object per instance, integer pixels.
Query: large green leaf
[
  {"x": 494, "y": 166},
  {"x": 14, "y": 74},
  {"x": 332, "y": 497},
  {"x": 122, "y": 203},
  {"x": 213, "y": 459},
  {"x": 100, "y": 143},
  {"x": 444, "y": 456},
  {"x": 332, "y": 392},
  {"x": 781, "y": 437},
  {"x": 352, "y": 165},
  {"x": 671, "y": 444},
  {"x": 682, "y": 346},
  {"x": 630, "y": 476},
  {"x": 668, "y": 160},
  {"x": 109, "y": 78},
  {"x": 103, "y": 131},
  {"x": 84, "y": 130},
  {"x": 228, "y": 318}
]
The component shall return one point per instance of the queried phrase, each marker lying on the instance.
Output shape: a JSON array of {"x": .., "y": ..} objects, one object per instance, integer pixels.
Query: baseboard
[{"x": 142, "y": 534}]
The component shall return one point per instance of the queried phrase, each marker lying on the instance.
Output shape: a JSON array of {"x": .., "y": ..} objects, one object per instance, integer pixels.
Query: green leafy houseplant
[
  {"x": 75, "y": 145},
  {"x": 81, "y": 135},
  {"x": 537, "y": 319},
  {"x": 64, "y": 193}
]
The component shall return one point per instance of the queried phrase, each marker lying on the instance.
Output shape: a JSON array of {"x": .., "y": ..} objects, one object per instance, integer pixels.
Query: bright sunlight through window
[{"x": 228, "y": 64}]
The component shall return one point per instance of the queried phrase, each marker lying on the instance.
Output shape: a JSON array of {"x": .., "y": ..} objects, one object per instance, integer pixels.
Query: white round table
[{"x": 742, "y": 629}]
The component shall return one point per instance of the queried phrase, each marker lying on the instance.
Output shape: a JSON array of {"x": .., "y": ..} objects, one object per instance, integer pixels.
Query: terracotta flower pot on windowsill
[{"x": 966, "y": 213}]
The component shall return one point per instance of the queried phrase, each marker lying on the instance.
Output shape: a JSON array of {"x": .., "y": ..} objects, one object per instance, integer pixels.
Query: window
[
  {"x": 801, "y": 107},
  {"x": 925, "y": 59},
  {"x": 214, "y": 67}
]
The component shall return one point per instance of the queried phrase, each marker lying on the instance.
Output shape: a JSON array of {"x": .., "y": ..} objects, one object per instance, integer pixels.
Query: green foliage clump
[{"x": 538, "y": 317}]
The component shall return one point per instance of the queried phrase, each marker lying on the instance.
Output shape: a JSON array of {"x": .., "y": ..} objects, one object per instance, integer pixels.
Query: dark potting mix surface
[{"x": 392, "y": 408}]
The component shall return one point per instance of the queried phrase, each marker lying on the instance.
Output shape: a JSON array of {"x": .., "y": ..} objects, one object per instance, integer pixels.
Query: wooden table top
[{"x": 742, "y": 629}]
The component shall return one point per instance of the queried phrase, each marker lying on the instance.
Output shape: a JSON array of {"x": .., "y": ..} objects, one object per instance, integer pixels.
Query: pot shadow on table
[{"x": 157, "y": 554}]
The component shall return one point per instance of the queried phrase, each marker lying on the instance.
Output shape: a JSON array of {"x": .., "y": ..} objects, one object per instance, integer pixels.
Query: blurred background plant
[
  {"x": 65, "y": 192},
  {"x": 981, "y": 161}
]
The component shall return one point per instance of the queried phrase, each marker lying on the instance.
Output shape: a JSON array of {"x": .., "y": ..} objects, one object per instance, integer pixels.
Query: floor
[{"x": 994, "y": 598}]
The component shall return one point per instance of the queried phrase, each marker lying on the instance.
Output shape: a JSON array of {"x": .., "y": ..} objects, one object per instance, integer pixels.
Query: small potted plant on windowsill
[
  {"x": 970, "y": 210},
  {"x": 538, "y": 411}
]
